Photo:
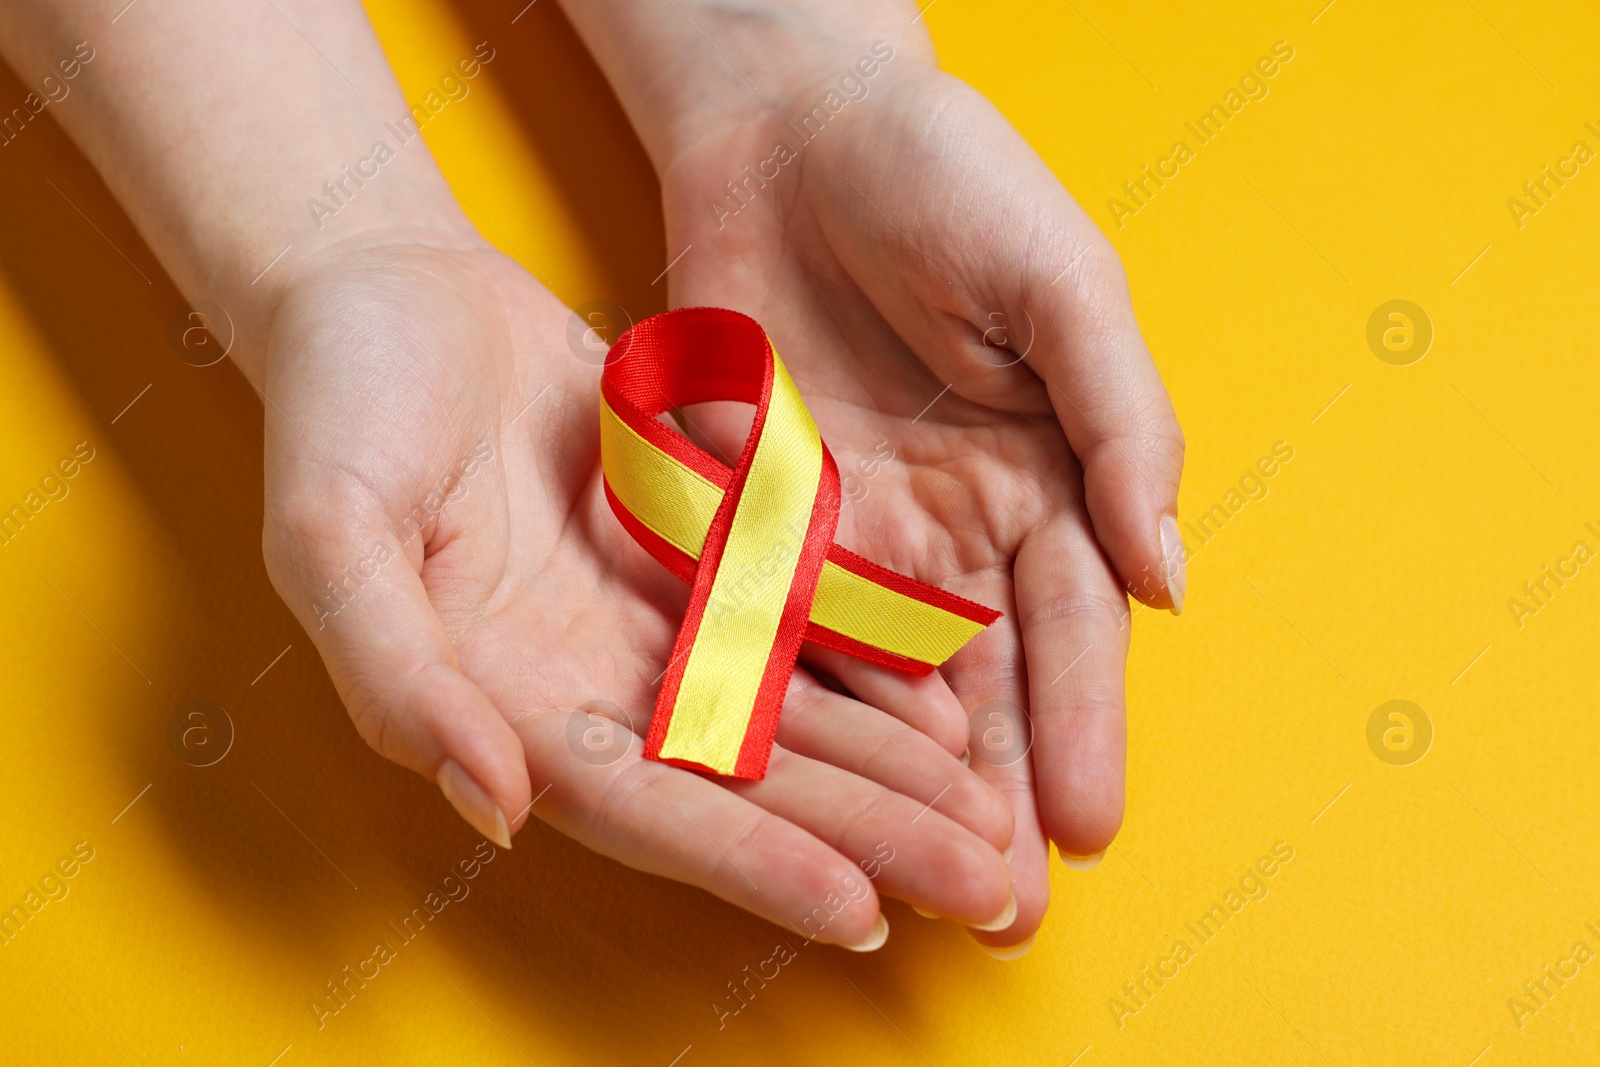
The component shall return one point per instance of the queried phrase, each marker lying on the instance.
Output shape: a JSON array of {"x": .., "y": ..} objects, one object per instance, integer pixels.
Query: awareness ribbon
[{"x": 755, "y": 542}]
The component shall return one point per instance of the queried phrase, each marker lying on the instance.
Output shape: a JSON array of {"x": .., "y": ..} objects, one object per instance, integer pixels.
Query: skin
[
  {"x": 526, "y": 598},
  {"x": 394, "y": 342},
  {"x": 915, "y": 243}
]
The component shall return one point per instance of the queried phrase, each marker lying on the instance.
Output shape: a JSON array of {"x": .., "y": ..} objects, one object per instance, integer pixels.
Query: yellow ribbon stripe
[
  {"x": 729, "y": 657},
  {"x": 678, "y": 504}
]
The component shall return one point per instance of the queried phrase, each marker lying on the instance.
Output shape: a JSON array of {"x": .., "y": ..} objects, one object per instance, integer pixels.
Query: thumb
[
  {"x": 1037, "y": 293},
  {"x": 335, "y": 560}
]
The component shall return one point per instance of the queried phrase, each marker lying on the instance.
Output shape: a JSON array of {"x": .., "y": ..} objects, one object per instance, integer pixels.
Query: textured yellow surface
[{"x": 1378, "y": 565}]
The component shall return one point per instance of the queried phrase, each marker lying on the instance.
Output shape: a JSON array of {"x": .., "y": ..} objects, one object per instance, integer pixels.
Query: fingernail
[
  {"x": 473, "y": 803},
  {"x": 874, "y": 941},
  {"x": 966, "y": 757},
  {"x": 1083, "y": 863},
  {"x": 1010, "y": 952},
  {"x": 1172, "y": 559},
  {"x": 1007, "y": 916},
  {"x": 925, "y": 913},
  {"x": 1006, "y": 855}
]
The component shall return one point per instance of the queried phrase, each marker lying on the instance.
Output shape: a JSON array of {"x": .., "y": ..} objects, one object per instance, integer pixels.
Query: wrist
[
  {"x": 709, "y": 71},
  {"x": 252, "y": 298},
  {"x": 247, "y": 270}
]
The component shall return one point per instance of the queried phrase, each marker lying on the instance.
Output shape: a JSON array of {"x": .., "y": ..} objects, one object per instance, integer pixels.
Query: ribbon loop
[{"x": 754, "y": 542}]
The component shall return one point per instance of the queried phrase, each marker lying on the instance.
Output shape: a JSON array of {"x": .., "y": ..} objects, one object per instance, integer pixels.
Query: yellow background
[{"x": 1378, "y": 567}]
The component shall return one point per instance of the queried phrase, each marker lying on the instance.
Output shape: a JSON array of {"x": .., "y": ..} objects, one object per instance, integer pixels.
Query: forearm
[
  {"x": 217, "y": 124},
  {"x": 681, "y": 66}
]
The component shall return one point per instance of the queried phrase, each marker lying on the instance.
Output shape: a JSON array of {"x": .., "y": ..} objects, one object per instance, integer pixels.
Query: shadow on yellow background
[{"x": 1376, "y": 565}]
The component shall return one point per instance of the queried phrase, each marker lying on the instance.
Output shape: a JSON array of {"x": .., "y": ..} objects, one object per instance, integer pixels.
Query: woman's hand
[
  {"x": 435, "y": 518},
  {"x": 966, "y": 342},
  {"x": 434, "y": 514}
]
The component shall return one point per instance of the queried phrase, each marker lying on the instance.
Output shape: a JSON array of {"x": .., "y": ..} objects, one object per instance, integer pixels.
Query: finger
[
  {"x": 1111, "y": 402},
  {"x": 937, "y": 864},
  {"x": 681, "y": 825},
  {"x": 832, "y": 728},
  {"x": 989, "y": 676},
  {"x": 1075, "y": 628},
  {"x": 923, "y": 702},
  {"x": 334, "y": 559}
]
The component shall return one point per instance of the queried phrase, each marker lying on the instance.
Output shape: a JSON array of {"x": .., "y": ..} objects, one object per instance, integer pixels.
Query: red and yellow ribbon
[{"x": 755, "y": 542}]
